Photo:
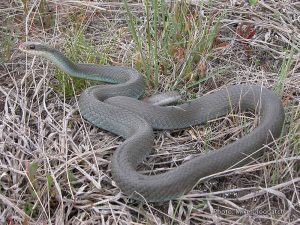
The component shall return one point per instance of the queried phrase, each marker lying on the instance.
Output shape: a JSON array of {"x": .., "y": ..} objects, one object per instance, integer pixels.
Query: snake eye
[{"x": 32, "y": 47}]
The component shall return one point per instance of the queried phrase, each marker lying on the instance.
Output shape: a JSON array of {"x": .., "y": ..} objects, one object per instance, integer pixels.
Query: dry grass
[{"x": 55, "y": 167}]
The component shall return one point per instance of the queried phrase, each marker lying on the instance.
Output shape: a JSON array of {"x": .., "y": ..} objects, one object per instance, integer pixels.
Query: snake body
[{"x": 116, "y": 108}]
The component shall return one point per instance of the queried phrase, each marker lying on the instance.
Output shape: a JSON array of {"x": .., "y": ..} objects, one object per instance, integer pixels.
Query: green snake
[{"x": 115, "y": 107}]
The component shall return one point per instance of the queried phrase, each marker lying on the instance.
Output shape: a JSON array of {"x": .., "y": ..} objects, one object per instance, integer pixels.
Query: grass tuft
[
  {"x": 6, "y": 41},
  {"x": 180, "y": 35}
]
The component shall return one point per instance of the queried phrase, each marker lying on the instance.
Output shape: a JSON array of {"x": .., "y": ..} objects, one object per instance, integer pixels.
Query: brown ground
[{"x": 55, "y": 167}]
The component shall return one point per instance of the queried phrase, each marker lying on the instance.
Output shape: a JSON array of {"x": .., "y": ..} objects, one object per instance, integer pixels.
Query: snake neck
[{"x": 62, "y": 62}]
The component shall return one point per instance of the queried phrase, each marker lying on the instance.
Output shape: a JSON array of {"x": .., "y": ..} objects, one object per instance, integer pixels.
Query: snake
[{"x": 116, "y": 107}]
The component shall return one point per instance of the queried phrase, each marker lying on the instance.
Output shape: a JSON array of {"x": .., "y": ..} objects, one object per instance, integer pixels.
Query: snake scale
[{"x": 115, "y": 107}]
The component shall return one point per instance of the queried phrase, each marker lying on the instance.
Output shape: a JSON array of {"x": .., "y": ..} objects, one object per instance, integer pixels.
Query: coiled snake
[{"x": 116, "y": 108}]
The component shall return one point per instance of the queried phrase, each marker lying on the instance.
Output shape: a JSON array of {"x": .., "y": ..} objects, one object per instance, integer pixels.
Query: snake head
[{"x": 34, "y": 48}]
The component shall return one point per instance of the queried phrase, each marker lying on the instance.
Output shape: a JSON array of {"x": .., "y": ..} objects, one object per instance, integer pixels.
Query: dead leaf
[
  {"x": 245, "y": 31},
  {"x": 202, "y": 68},
  {"x": 179, "y": 54},
  {"x": 220, "y": 44}
]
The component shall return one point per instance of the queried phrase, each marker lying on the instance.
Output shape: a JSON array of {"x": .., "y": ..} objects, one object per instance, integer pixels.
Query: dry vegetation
[{"x": 55, "y": 167}]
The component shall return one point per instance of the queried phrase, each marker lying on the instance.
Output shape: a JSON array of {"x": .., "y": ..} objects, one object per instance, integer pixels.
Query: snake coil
[{"x": 116, "y": 108}]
